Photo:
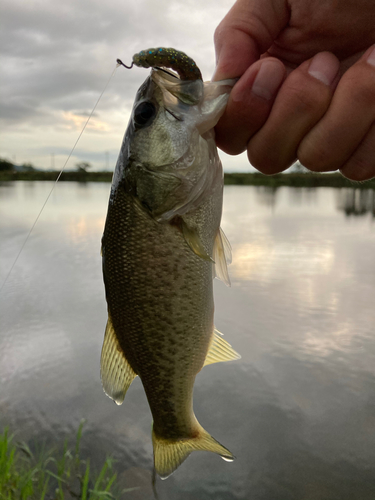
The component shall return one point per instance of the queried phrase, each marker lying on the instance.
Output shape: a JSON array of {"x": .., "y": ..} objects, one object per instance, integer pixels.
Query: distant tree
[
  {"x": 6, "y": 165},
  {"x": 83, "y": 166},
  {"x": 299, "y": 168},
  {"x": 28, "y": 167}
]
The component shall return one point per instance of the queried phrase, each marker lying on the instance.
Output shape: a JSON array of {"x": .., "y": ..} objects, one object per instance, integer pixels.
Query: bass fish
[{"x": 161, "y": 248}]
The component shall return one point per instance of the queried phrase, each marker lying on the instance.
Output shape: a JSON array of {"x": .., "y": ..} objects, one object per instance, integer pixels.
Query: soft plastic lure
[{"x": 167, "y": 58}]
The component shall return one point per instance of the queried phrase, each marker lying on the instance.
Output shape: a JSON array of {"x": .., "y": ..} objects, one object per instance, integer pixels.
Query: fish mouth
[
  {"x": 167, "y": 72},
  {"x": 188, "y": 92}
]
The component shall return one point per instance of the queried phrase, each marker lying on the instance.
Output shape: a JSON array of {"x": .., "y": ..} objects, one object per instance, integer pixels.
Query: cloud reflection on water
[
  {"x": 265, "y": 262},
  {"x": 297, "y": 409}
]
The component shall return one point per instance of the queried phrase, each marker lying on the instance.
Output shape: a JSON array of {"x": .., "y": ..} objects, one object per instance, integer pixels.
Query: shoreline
[{"x": 309, "y": 180}]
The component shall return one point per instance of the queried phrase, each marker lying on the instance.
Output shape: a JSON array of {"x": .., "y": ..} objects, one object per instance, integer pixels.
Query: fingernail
[
  {"x": 324, "y": 67},
  {"x": 268, "y": 80},
  {"x": 371, "y": 57}
]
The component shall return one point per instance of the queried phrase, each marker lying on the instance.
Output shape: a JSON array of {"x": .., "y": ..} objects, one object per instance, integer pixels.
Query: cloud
[{"x": 57, "y": 58}]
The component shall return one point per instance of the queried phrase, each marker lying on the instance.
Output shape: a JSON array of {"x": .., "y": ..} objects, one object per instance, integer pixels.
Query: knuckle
[
  {"x": 316, "y": 163},
  {"x": 312, "y": 161},
  {"x": 263, "y": 163},
  {"x": 314, "y": 153},
  {"x": 229, "y": 147},
  {"x": 307, "y": 99},
  {"x": 230, "y": 138},
  {"x": 257, "y": 160},
  {"x": 359, "y": 84},
  {"x": 232, "y": 145},
  {"x": 219, "y": 34},
  {"x": 358, "y": 169}
]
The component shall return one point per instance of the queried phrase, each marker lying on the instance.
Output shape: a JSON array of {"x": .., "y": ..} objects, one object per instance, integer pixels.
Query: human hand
[{"x": 294, "y": 99}]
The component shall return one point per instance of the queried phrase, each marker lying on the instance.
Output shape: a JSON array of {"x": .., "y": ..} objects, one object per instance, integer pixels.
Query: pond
[{"x": 298, "y": 410}]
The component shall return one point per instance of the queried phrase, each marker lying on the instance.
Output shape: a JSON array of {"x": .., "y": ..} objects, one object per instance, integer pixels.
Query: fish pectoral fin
[
  {"x": 222, "y": 254},
  {"x": 193, "y": 240},
  {"x": 220, "y": 350},
  {"x": 116, "y": 372},
  {"x": 170, "y": 453}
]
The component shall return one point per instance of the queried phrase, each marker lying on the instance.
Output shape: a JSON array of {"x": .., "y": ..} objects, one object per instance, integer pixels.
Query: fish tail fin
[{"x": 170, "y": 453}]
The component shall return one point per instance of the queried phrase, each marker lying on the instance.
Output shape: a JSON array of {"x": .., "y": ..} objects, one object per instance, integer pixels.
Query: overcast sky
[{"x": 57, "y": 57}]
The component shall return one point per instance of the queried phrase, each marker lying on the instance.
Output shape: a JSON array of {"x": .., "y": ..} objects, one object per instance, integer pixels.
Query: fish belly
[{"x": 160, "y": 299}]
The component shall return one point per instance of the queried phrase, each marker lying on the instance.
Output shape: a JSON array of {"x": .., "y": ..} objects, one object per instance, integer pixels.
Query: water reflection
[
  {"x": 356, "y": 202},
  {"x": 352, "y": 201},
  {"x": 270, "y": 196},
  {"x": 266, "y": 195},
  {"x": 297, "y": 409}
]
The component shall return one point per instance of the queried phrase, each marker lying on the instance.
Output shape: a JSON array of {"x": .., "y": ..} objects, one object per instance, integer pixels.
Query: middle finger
[{"x": 300, "y": 104}]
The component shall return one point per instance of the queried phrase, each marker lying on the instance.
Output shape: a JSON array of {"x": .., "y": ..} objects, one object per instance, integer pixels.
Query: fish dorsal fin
[
  {"x": 170, "y": 453},
  {"x": 193, "y": 240},
  {"x": 220, "y": 350},
  {"x": 222, "y": 255},
  {"x": 116, "y": 372}
]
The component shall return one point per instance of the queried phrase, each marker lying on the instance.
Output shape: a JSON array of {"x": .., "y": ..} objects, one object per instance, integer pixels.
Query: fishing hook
[{"x": 120, "y": 63}]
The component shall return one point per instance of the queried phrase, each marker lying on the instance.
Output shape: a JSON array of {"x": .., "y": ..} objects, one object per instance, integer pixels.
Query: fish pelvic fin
[
  {"x": 170, "y": 453},
  {"x": 116, "y": 372},
  {"x": 193, "y": 240},
  {"x": 220, "y": 350},
  {"x": 222, "y": 254}
]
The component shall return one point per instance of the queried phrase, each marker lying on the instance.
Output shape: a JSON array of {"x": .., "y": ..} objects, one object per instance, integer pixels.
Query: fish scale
[
  {"x": 147, "y": 329},
  {"x": 161, "y": 234}
]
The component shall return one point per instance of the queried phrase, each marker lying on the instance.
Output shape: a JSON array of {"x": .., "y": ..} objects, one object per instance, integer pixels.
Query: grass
[{"x": 53, "y": 475}]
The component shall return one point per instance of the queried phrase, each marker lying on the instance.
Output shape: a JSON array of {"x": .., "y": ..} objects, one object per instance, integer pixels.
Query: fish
[{"x": 161, "y": 248}]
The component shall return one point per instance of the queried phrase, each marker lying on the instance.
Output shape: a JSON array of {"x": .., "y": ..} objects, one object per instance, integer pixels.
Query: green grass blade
[
  {"x": 25, "y": 449},
  {"x": 101, "y": 476},
  {"x": 102, "y": 494},
  {"x": 128, "y": 490},
  {"x": 85, "y": 484},
  {"x": 50, "y": 473},
  {"x": 110, "y": 482},
  {"x": 45, "y": 489},
  {"x": 78, "y": 439},
  {"x": 46, "y": 474}
]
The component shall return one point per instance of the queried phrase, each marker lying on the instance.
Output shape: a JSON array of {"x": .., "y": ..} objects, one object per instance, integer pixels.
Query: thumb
[{"x": 246, "y": 32}]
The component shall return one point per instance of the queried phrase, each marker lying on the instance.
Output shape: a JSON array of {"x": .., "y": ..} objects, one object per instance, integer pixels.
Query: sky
[{"x": 56, "y": 59}]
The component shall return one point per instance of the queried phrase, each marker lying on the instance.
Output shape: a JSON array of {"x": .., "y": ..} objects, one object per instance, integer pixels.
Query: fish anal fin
[
  {"x": 170, "y": 453},
  {"x": 193, "y": 240},
  {"x": 220, "y": 350},
  {"x": 222, "y": 255},
  {"x": 116, "y": 373}
]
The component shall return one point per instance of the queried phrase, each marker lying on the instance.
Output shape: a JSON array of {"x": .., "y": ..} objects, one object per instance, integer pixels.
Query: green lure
[{"x": 167, "y": 58}]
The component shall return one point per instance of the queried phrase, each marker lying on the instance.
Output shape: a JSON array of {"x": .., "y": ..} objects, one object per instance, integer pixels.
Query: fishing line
[{"x": 57, "y": 180}]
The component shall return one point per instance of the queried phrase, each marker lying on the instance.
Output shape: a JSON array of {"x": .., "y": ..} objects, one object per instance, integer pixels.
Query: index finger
[{"x": 246, "y": 32}]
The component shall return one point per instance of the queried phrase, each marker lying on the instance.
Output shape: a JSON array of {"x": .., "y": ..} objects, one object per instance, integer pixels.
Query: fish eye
[{"x": 144, "y": 113}]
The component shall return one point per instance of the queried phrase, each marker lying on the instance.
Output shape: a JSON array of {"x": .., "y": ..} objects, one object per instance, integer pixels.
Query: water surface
[{"x": 298, "y": 410}]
